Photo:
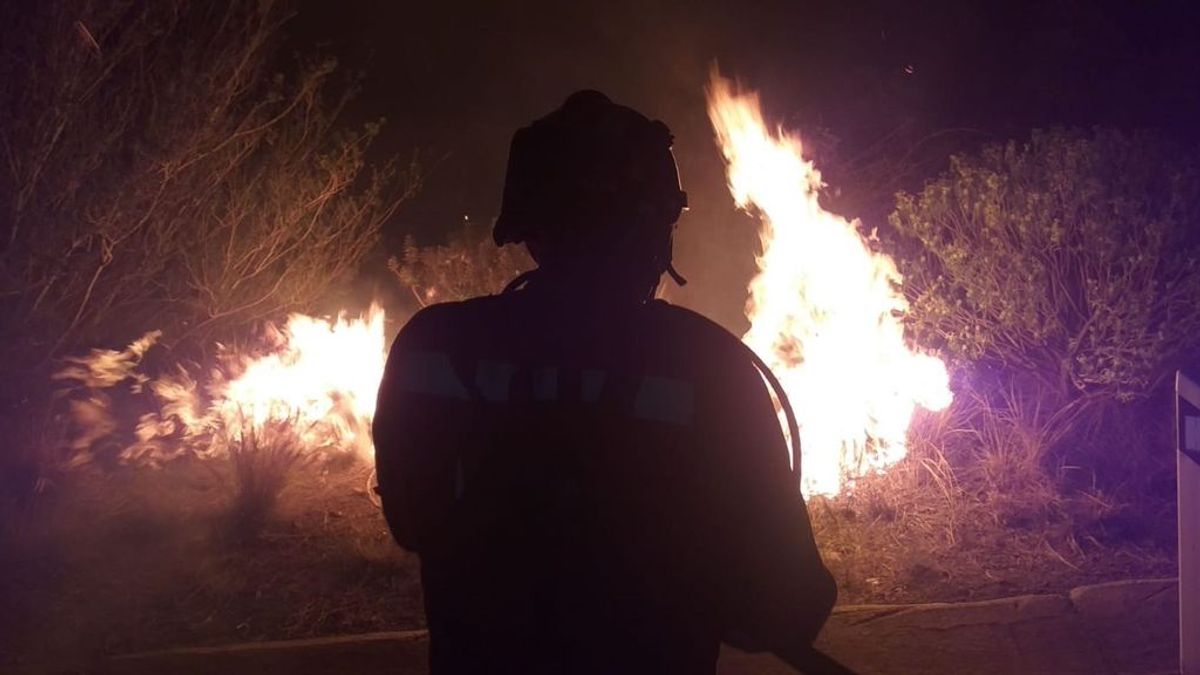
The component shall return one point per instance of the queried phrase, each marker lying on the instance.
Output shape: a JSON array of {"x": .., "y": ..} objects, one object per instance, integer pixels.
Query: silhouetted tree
[{"x": 164, "y": 168}]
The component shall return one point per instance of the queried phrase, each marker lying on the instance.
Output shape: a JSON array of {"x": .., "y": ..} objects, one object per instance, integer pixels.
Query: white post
[{"x": 1187, "y": 415}]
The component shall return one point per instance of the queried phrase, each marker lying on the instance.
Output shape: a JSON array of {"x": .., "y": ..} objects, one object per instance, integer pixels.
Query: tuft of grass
[
  {"x": 28, "y": 462},
  {"x": 262, "y": 458}
]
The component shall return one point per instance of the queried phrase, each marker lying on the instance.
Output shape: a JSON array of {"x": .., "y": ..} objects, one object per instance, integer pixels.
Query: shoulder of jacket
[
  {"x": 691, "y": 321},
  {"x": 434, "y": 320}
]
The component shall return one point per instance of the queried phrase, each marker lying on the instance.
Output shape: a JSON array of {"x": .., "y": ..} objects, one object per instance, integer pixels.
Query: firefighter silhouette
[{"x": 595, "y": 480}]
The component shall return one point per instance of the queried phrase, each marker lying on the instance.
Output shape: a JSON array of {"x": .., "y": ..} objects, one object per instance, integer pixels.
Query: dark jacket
[{"x": 592, "y": 491}]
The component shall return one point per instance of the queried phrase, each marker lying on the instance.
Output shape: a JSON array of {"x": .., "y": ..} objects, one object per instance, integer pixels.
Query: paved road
[
  {"x": 1124, "y": 628},
  {"x": 1110, "y": 629}
]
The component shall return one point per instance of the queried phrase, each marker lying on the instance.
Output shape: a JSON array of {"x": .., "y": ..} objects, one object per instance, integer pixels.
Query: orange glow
[
  {"x": 825, "y": 313},
  {"x": 825, "y": 310}
]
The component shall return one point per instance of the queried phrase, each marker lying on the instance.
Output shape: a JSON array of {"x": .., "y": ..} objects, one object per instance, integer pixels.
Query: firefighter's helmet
[{"x": 591, "y": 172}]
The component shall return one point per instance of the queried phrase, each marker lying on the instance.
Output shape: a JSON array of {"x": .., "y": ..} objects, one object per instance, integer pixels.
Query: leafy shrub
[{"x": 1064, "y": 271}]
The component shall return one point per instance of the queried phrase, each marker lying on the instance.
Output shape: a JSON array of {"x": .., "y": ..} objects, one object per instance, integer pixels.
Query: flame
[
  {"x": 825, "y": 310},
  {"x": 323, "y": 377},
  {"x": 103, "y": 368},
  {"x": 317, "y": 378}
]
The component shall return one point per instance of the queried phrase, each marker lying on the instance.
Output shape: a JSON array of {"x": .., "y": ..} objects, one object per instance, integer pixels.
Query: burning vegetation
[
  {"x": 826, "y": 312},
  {"x": 312, "y": 380}
]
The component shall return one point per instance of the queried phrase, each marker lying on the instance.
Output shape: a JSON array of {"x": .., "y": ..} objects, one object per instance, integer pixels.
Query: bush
[
  {"x": 468, "y": 265},
  {"x": 1062, "y": 272},
  {"x": 262, "y": 457},
  {"x": 162, "y": 174}
]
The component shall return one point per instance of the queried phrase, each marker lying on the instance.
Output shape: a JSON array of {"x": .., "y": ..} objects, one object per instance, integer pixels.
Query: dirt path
[{"x": 1127, "y": 628}]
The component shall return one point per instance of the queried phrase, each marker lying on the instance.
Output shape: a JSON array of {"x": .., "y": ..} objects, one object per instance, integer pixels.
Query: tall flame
[{"x": 825, "y": 310}]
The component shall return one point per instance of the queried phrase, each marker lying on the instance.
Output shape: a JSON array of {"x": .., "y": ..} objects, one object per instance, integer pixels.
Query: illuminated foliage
[
  {"x": 165, "y": 168},
  {"x": 469, "y": 264},
  {"x": 1068, "y": 262}
]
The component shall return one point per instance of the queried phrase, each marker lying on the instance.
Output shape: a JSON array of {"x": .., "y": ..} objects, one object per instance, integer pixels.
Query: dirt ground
[{"x": 132, "y": 560}]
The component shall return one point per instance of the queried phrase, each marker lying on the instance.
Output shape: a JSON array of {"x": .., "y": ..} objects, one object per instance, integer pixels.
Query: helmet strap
[{"x": 675, "y": 275}]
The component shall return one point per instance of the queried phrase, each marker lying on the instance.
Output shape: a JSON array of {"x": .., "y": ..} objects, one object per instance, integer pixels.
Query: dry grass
[
  {"x": 262, "y": 458},
  {"x": 980, "y": 509}
]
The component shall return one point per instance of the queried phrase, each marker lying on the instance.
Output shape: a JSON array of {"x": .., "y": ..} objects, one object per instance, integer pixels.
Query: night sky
[{"x": 865, "y": 79}]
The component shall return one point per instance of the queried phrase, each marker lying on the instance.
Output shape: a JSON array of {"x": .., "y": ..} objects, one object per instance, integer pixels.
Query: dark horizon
[{"x": 454, "y": 80}]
